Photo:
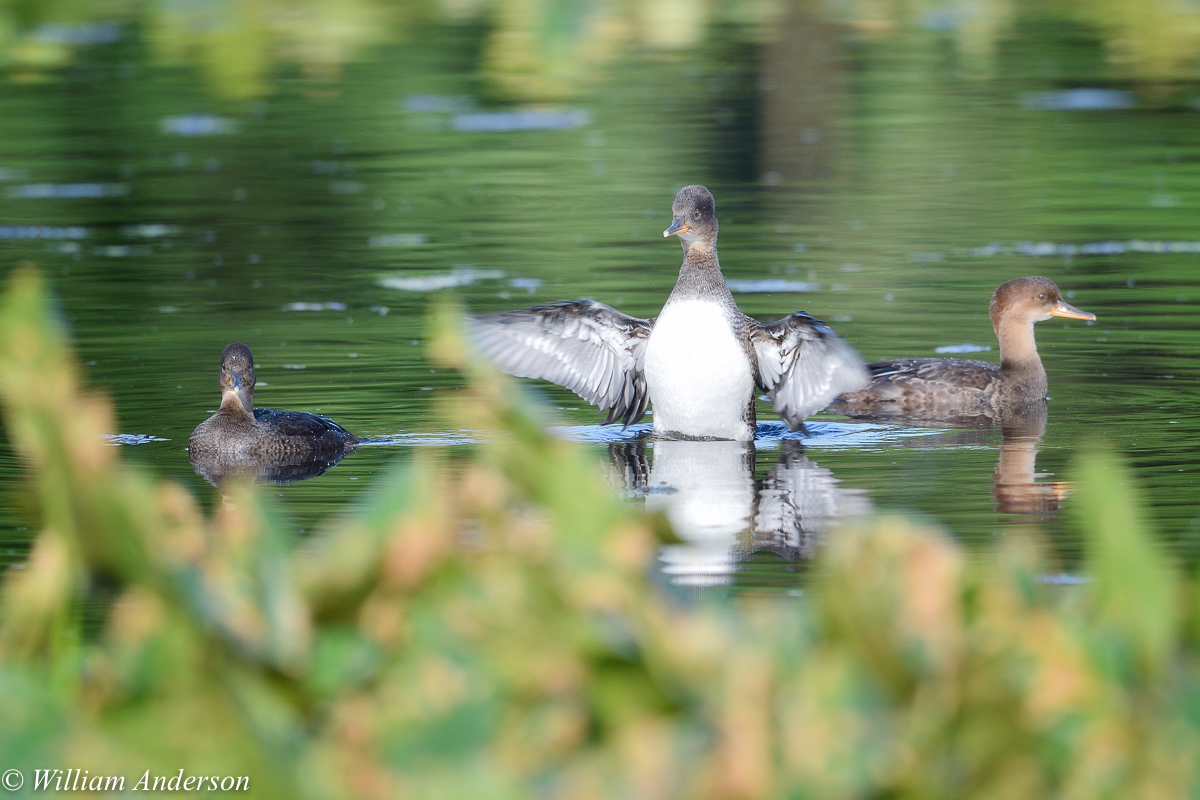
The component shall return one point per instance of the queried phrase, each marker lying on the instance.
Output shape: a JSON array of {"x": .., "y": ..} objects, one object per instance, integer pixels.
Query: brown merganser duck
[
  {"x": 951, "y": 389},
  {"x": 239, "y": 431},
  {"x": 699, "y": 363}
]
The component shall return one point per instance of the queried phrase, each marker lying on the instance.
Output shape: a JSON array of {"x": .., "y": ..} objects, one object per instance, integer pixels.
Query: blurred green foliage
[
  {"x": 490, "y": 631},
  {"x": 548, "y": 50}
]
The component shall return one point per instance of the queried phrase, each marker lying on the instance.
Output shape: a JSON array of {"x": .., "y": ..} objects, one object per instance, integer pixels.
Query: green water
[{"x": 881, "y": 169}]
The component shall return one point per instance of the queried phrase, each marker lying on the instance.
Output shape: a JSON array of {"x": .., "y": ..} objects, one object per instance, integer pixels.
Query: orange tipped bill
[
  {"x": 1065, "y": 309},
  {"x": 677, "y": 227}
]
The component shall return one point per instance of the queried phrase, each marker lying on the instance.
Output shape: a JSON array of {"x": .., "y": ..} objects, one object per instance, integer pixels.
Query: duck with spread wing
[{"x": 699, "y": 363}]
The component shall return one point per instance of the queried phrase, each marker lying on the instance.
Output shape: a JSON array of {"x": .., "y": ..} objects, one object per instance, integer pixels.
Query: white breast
[{"x": 698, "y": 373}]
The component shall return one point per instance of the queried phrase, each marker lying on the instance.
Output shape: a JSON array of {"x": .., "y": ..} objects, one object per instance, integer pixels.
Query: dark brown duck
[
  {"x": 955, "y": 388},
  {"x": 240, "y": 431}
]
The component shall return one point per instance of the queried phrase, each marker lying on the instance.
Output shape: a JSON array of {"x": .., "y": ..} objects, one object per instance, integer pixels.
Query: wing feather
[
  {"x": 803, "y": 365},
  {"x": 587, "y": 347}
]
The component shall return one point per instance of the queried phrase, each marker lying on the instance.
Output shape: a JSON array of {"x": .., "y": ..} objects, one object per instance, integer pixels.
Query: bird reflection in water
[
  {"x": 1015, "y": 486},
  {"x": 708, "y": 492},
  {"x": 219, "y": 468},
  {"x": 1014, "y": 483}
]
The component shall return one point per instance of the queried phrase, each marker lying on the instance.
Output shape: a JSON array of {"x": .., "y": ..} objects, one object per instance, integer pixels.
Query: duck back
[{"x": 925, "y": 388}]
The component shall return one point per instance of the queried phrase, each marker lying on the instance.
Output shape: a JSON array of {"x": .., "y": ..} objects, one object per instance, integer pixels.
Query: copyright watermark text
[{"x": 80, "y": 780}]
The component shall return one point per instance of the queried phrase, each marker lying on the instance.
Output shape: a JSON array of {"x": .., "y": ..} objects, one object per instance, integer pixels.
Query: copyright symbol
[{"x": 12, "y": 780}]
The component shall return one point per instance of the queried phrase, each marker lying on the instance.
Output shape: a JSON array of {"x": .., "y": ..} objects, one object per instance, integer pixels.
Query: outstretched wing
[
  {"x": 803, "y": 365},
  {"x": 588, "y": 347}
]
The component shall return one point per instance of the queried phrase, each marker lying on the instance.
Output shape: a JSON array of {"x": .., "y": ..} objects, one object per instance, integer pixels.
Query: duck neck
[
  {"x": 238, "y": 405},
  {"x": 701, "y": 275},
  {"x": 701, "y": 254},
  {"x": 701, "y": 271},
  {"x": 1018, "y": 354}
]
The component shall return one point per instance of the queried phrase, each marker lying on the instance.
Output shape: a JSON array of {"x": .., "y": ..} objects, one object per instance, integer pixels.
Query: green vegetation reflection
[{"x": 548, "y": 50}]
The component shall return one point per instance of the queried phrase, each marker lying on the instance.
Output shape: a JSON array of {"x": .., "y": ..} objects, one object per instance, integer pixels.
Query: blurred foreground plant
[{"x": 491, "y": 632}]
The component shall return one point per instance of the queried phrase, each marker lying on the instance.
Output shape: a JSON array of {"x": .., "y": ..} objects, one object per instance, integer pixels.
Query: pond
[{"x": 307, "y": 186}]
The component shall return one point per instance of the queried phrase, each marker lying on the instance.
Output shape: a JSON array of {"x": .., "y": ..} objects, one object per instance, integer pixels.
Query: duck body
[
  {"x": 937, "y": 388},
  {"x": 953, "y": 389},
  {"x": 240, "y": 432},
  {"x": 269, "y": 433},
  {"x": 699, "y": 363}
]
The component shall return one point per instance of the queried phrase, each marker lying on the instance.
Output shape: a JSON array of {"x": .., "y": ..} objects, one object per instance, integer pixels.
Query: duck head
[
  {"x": 693, "y": 217},
  {"x": 1030, "y": 300},
  {"x": 237, "y": 376}
]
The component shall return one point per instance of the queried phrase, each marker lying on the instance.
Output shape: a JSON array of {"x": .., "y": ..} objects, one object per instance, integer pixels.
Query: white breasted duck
[{"x": 699, "y": 363}]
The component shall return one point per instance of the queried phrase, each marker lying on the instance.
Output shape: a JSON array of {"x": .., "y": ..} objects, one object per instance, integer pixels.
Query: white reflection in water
[
  {"x": 823, "y": 434},
  {"x": 1043, "y": 249},
  {"x": 528, "y": 120},
  {"x": 131, "y": 439},
  {"x": 771, "y": 285},
  {"x": 42, "y": 232},
  {"x": 1077, "y": 100},
  {"x": 1063, "y": 579},
  {"x": 710, "y": 508},
  {"x": 67, "y": 191},
  {"x": 197, "y": 125},
  {"x": 399, "y": 240},
  {"x": 437, "y": 104},
  {"x": 798, "y": 502},
  {"x": 122, "y": 250},
  {"x": 149, "y": 231},
  {"x": 707, "y": 491},
  {"x": 315, "y": 307},
  {"x": 430, "y": 283},
  {"x": 78, "y": 33},
  {"x": 426, "y": 439},
  {"x": 529, "y": 284}
]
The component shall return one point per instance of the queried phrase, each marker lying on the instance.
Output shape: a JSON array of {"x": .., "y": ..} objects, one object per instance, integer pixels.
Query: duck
[
  {"x": 956, "y": 389},
  {"x": 241, "y": 432},
  {"x": 698, "y": 365}
]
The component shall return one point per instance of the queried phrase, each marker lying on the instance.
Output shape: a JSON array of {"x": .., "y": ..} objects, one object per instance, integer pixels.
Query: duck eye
[
  {"x": 696, "y": 215},
  {"x": 1041, "y": 295}
]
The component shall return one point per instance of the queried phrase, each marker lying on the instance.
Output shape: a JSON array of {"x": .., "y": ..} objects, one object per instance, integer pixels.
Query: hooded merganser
[
  {"x": 698, "y": 363},
  {"x": 240, "y": 431},
  {"x": 954, "y": 388}
]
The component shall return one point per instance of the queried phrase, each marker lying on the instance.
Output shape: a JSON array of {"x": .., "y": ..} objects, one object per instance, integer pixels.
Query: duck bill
[
  {"x": 235, "y": 380},
  {"x": 677, "y": 227},
  {"x": 1065, "y": 309}
]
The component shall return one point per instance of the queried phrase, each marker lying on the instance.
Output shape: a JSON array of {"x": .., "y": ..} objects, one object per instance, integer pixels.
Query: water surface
[{"x": 881, "y": 183}]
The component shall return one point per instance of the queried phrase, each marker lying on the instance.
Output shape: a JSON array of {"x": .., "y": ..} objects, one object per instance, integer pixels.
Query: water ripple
[{"x": 131, "y": 438}]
